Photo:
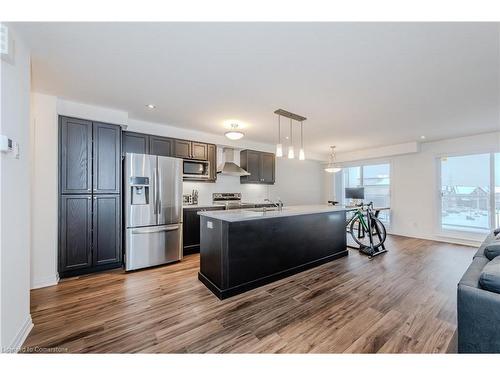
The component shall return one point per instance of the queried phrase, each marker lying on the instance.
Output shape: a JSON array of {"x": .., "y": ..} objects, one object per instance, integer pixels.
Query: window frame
[
  {"x": 362, "y": 164},
  {"x": 465, "y": 233}
]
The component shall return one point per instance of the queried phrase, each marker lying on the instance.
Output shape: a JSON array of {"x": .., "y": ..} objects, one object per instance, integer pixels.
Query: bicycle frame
[{"x": 359, "y": 214}]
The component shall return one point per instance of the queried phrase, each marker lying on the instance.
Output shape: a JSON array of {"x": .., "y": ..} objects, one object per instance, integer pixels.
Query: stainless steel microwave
[{"x": 196, "y": 169}]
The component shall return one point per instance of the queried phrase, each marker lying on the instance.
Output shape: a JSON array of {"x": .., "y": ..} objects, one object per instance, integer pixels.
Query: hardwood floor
[{"x": 402, "y": 301}]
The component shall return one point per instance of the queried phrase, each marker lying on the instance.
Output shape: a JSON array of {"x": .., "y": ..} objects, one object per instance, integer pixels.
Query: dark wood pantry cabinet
[
  {"x": 90, "y": 196},
  {"x": 75, "y": 232},
  {"x": 260, "y": 165},
  {"x": 75, "y": 150}
]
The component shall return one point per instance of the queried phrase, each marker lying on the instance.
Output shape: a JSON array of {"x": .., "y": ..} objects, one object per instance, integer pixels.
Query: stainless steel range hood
[{"x": 229, "y": 167}]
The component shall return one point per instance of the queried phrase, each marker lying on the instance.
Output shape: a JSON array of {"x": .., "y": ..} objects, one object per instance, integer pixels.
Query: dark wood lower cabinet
[
  {"x": 191, "y": 228},
  {"x": 106, "y": 234},
  {"x": 75, "y": 233},
  {"x": 89, "y": 233}
]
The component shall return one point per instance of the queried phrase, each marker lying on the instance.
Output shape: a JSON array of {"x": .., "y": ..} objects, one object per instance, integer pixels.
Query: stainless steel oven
[{"x": 196, "y": 169}]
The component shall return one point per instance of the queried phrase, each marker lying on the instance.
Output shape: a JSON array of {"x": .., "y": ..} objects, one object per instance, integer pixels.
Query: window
[
  {"x": 470, "y": 198},
  {"x": 376, "y": 181}
]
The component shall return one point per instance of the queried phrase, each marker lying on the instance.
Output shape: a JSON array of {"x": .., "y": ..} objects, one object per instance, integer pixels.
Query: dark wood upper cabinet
[
  {"x": 135, "y": 142},
  {"x": 182, "y": 149},
  {"x": 260, "y": 165},
  {"x": 267, "y": 169},
  {"x": 106, "y": 234},
  {"x": 75, "y": 156},
  {"x": 212, "y": 159},
  {"x": 250, "y": 161},
  {"x": 161, "y": 146},
  {"x": 107, "y": 158},
  {"x": 75, "y": 232},
  {"x": 199, "y": 151}
]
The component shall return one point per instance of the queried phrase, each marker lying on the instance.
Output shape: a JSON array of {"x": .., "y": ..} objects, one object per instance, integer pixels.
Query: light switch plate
[{"x": 4, "y": 40}]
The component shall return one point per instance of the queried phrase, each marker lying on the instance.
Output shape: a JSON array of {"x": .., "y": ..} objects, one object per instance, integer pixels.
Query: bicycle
[{"x": 367, "y": 231}]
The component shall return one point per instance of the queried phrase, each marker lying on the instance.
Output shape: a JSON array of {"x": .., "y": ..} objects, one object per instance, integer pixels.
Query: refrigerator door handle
[
  {"x": 154, "y": 192},
  {"x": 157, "y": 198},
  {"x": 163, "y": 228}
]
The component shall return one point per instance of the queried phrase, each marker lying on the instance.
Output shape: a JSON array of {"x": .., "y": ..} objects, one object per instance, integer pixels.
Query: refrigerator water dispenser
[{"x": 139, "y": 187}]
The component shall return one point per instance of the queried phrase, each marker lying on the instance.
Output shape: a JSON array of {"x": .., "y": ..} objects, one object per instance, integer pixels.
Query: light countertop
[
  {"x": 196, "y": 206},
  {"x": 251, "y": 214}
]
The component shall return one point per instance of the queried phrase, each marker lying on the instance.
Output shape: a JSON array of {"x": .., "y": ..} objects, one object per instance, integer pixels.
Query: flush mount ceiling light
[
  {"x": 150, "y": 106},
  {"x": 279, "y": 145},
  {"x": 331, "y": 168},
  {"x": 234, "y": 134}
]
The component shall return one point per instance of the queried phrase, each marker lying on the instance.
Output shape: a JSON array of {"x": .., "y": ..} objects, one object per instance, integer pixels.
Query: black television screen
[{"x": 355, "y": 193}]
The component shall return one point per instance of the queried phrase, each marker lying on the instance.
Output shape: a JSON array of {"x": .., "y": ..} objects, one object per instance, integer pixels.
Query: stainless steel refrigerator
[{"x": 153, "y": 210}]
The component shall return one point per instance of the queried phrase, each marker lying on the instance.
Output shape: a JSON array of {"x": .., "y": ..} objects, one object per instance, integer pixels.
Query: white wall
[
  {"x": 15, "y": 319},
  {"x": 415, "y": 186},
  {"x": 44, "y": 191},
  {"x": 297, "y": 182}
]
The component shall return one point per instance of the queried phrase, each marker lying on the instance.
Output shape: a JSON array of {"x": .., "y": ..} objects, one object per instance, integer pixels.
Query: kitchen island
[{"x": 244, "y": 249}]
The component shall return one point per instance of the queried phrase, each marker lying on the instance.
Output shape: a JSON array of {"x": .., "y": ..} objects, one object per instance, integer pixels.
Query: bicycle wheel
[{"x": 360, "y": 236}]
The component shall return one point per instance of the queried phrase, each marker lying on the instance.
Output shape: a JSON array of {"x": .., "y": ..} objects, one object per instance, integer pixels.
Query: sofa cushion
[
  {"x": 490, "y": 238},
  {"x": 490, "y": 276},
  {"x": 492, "y": 250},
  {"x": 471, "y": 276}
]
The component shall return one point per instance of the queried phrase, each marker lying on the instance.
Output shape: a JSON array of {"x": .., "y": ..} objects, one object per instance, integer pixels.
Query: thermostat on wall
[{"x": 6, "y": 144}]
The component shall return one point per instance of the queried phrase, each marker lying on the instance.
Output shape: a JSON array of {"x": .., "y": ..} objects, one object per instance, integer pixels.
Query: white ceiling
[{"x": 360, "y": 85}]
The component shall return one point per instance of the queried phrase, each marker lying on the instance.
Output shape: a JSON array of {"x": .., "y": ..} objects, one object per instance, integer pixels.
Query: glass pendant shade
[
  {"x": 291, "y": 153},
  {"x": 279, "y": 146},
  {"x": 302, "y": 156},
  {"x": 279, "y": 150},
  {"x": 331, "y": 168}
]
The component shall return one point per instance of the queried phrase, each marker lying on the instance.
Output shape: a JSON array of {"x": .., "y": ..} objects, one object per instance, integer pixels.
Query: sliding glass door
[
  {"x": 466, "y": 192},
  {"x": 375, "y": 178}
]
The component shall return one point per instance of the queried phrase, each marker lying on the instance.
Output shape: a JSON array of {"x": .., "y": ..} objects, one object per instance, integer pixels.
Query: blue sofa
[{"x": 478, "y": 309}]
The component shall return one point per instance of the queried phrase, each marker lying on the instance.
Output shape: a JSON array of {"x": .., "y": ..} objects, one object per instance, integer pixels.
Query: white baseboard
[
  {"x": 18, "y": 341},
  {"x": 453, "y": 240},
  {"x": 45, "y": 282}
]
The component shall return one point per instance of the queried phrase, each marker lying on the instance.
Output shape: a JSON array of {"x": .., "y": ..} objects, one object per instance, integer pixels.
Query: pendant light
[
  {"x": 291, "y": 154},
  {"x": 302, "y": 156},
  {"x": 279, "y": 146},
  {"x": 331, "y": 168},
  {"x": 234, "y": 134}
]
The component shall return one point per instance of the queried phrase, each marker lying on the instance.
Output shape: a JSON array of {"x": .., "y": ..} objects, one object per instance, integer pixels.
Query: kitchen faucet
[{"x": 278, "y": 204}]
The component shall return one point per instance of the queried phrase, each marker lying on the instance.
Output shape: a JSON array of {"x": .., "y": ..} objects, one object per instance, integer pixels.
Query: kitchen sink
[{"x": 264, "y": 209}]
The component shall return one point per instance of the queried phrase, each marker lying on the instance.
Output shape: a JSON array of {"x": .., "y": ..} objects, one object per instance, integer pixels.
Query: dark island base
[{"x": 230, "y": 292}]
